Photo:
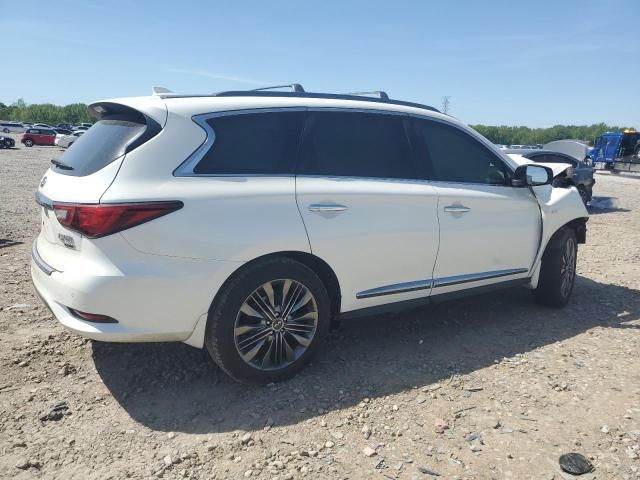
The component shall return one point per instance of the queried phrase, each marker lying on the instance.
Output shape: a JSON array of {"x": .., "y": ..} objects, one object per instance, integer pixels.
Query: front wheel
[
  {"x": 268, "y": 321},
  {"x": 584, "y": 194},
  {"x": 558, "y": 270}
]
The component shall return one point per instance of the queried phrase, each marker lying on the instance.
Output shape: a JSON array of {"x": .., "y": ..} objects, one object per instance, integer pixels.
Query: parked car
[
  {"x": 7, "y": 142},
  {"x": 38, "y": 136},
  {"x": 42, "y": 125},
  {"x": 81, "y": 127},
  {"x": 581, "y": 175},
  {"x": 11, "y": 127},
  {"x": 246, "y": 222},
  {"x": 67, "y": 140},
  {"x": 66, "y": 126},
  {"x": 60, "y": 133}
]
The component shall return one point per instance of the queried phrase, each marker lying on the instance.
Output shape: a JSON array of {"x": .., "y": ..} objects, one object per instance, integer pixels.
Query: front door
[
  {"x": 489, "y": 231},
  {"x": 367, "y": 212}
]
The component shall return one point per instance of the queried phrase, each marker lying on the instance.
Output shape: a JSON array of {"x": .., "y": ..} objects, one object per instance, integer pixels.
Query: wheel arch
[{"x": 315, "y": 263}]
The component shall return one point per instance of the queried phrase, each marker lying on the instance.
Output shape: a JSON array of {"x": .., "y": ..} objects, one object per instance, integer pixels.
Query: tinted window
[
  {"x": 451, "y": 155},
  {"x": 355, "y": 144},
  {"x": 253, "y": 143},
  {"x": 100, "y": 146}
]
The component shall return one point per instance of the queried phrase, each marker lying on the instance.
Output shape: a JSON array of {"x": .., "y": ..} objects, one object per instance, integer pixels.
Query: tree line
[
  {"x": 506, "y": 135},
  {"x": 75, "y": 113},
  {"x": 48, "y": 113}
]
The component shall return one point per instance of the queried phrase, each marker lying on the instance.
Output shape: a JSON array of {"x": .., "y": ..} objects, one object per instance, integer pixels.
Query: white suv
[{"x": 248, "y": 222}]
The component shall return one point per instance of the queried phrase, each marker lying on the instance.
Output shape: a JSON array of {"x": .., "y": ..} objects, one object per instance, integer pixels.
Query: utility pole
[{"x": 445, "y": 104}]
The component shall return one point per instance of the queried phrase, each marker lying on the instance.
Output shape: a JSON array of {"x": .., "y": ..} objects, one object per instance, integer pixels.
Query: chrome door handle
[
  {"x": 327, "y": 207},
  {"x": 456, "y": 209}
]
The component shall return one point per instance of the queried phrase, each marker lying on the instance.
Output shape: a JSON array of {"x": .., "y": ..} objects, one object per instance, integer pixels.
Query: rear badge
[
  {"x": 67, "y": 241},
  {"x": 44, "y": 180}
]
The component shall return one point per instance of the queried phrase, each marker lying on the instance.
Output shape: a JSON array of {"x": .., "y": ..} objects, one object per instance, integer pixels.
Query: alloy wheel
[
  {"x": 568, "y": 267},
  {"x": 276, "y": 324}
]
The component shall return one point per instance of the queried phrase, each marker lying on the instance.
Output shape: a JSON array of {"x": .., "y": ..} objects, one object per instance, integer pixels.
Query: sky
[{"x": 535, "y": 63}]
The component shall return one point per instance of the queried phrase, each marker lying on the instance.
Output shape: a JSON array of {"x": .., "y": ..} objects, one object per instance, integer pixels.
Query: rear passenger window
[
  {"x": 451, "y": 155},
  {"x": 253, "y": 143},
  {"x": 355, "y": 144}
]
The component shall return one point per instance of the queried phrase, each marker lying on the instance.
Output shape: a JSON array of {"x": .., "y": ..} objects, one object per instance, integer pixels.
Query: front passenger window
[{"x": 451, "y": 155}]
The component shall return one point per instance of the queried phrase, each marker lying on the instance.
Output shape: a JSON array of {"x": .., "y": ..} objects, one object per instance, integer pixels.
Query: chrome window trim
[
  {"x": 186, "y": 168},
  {"x": 395, "y": 288},
  {"x": 37, "y": 259},
  {"x": 437, "y": 282}
]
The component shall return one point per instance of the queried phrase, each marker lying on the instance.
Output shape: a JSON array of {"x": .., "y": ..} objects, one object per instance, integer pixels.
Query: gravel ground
[{"x": 491, "y": 387}]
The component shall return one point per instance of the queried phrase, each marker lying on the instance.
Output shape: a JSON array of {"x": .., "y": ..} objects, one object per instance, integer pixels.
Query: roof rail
[
  {"x": 295, "y": 87},
  {"x": 376, "y": 93},
  {"x": 332, "y": 96}
]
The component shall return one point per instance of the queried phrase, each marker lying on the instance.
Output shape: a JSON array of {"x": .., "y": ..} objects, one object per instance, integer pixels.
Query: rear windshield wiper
[{"x": 61, "y": 165}]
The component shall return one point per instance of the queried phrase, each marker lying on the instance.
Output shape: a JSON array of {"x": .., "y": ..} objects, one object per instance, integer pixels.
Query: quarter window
[
  {"x": 448, "y": 154},
  {"x": 253, "y": 143},
  {"x": 355, "y": 144}
]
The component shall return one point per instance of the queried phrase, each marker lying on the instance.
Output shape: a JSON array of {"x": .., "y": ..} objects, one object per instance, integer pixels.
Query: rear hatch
[{"x": 85, "y": 171}]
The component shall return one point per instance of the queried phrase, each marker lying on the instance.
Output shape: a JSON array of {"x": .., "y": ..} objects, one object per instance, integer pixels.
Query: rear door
[
  {"x": 48, "y": 137},
  {"x": 367, "y": 210},
  {"x": 489, "y": 231}
]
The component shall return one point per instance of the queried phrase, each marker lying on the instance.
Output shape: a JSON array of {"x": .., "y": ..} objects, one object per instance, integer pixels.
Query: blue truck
[{"x": 616, "y": 151}]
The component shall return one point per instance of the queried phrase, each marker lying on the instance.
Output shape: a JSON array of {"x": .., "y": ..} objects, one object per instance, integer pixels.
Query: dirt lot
[{"x": 491, "y": 387}]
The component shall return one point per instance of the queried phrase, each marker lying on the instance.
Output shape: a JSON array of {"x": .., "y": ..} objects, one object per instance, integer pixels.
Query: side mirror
[{"x": 531, "y": 175}]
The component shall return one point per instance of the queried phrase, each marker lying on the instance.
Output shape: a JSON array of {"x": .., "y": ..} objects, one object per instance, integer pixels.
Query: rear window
[{"x": 103, "y": 143}]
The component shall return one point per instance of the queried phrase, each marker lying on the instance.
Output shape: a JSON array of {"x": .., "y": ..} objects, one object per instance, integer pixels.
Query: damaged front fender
[{"x": 559, "y": 207}]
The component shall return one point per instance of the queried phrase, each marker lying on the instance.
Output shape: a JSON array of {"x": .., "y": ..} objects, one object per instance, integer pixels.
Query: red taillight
[
  {"x": 100, "y": 220},
  {"x": 92, "y": 317}
]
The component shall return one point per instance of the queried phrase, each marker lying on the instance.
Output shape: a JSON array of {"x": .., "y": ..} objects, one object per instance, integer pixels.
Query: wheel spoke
[
  {"x": 254, "y": 338},
  {"x": 268, "y": 289},
  {"x": 301, "y": 303},
  {"x": 304, "y": 341},
  {"x": 250, "y": 311},
  {"x": 306, "y": 316},
  {"x": 266, "y": 360},
  {"x": 292, "y": 299},
  {"x": 250, "y": 355},
  {"x": 263, "y": 307},
  {"x": 242, "y": 329}
]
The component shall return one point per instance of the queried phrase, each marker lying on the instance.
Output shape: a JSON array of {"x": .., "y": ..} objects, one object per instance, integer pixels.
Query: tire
[
  {"x": 584, "y": 194},
  {"x": 558, "y": 270},
  {"x": 5, "y": 130},
  {"x": 235, "y": 317},
  {"x": 28, "y": 142}
]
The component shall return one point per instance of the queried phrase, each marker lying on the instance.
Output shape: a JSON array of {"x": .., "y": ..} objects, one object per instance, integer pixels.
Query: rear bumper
[{"x": 160, "y": 299}]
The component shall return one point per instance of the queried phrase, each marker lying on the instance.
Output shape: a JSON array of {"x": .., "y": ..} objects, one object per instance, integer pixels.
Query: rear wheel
[
  {"x": 5, "y": 130},
  {"x": 558, "y": 270},
  {"x": 268, "y": 321},
  {"x": 28, "y": 142}
]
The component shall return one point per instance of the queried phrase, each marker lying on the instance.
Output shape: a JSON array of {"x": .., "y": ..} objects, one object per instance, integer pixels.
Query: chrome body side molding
[
  {"x": 437, "y": 282},
  {"x": 396, "y": 288},
  {"x": 474, "y": 277}
]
